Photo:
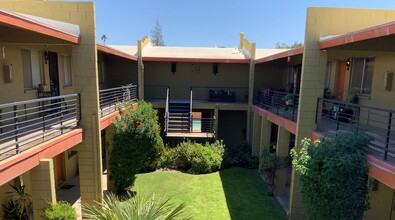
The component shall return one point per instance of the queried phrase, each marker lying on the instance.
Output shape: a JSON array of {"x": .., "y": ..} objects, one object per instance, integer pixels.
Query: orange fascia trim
[
  {"x": 107, "y": 120},
  {"x": 37, "y": 27},
  {"x": 288, "y": 53},
  {"x": 276, "y": 119},
  {"x": 21, "y": 163},
  {"x": 110, "y": 50},
  {"x": 195, "y": 60},
  {"x": 364, "y": 34}
]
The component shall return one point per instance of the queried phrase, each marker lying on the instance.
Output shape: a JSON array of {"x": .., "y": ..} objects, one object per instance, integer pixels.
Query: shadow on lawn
[{"x": 246, "y": 195}]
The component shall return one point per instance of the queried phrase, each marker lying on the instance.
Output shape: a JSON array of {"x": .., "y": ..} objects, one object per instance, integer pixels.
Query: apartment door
[
  {"x": 341, "y": 80},
  {"x": 53, "y": 73},
  {"x": 59, "y": 169}
]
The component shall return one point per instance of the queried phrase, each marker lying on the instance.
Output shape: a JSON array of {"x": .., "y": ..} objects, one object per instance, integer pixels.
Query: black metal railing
[
  {"x": 203, "y": 125},
  {"x": 220, "y": 94},
  {"x": 280, "y": 103},
  {"x": 167, "y": 109},
  {"x": 155, "y": 92},
  {"x": 109, "y": 98},
  {"x": 332, "y": 116},
  {"x": 27, "y": 123}
]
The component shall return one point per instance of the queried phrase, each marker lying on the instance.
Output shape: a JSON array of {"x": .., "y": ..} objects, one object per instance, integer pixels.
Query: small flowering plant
[{"x": 137, "y": 143}]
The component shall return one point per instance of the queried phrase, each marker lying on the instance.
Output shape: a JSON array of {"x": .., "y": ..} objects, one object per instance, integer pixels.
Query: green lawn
[{"x": 233, "y": 193}]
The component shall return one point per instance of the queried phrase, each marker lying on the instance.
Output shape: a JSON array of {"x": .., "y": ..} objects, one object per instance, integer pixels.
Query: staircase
[{"x": 179, "y": 117}]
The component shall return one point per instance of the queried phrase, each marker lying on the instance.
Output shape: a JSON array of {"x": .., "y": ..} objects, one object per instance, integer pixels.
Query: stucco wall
[{"x": 194, "y": 74}]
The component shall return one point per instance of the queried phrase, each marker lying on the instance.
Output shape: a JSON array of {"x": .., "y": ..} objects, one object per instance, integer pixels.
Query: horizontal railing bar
[{"x": 36, "y": 100}]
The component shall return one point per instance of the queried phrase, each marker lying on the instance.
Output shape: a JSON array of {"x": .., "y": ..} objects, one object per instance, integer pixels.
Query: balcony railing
[
  {"x": 220, "y": 94},
  {"x": 110, "y": 97},
  {"x": 25, "y": 124},
  {"x": 203, "y": 125},
  {"x": 155, "y": 92},
  {"x": 378, "y": 123},
  {"x": 280, "y": 103}
]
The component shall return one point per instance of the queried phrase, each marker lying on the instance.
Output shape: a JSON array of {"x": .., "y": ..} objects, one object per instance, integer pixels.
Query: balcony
[
  {"x": 219, "y": 94},
  {"x": 26, "y": 124},
  {"x": 332, "y": 116},
  {"x": 109, "y": 98},
  {"x": 280, "y": 103}
]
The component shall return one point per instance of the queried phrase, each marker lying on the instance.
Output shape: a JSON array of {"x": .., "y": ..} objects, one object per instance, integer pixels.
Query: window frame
[
  {"x": 70, "y": 72},
  {"x": 363, "y": 75},
  {"x": 37, "y": 74}
]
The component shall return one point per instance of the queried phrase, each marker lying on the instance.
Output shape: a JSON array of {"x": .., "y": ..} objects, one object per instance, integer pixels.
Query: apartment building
[
  {"x": 59, "y": 91},
  {"x": 340, "y": 80}
]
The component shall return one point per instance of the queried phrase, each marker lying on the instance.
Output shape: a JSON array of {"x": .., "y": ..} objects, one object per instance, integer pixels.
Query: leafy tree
[
  {"x": 157, "y": 34},
  {"x": 333, "y": 176},
  {"x": 104, "y": 38},
  {"x": 137, "y": 142},
  {"x": 138, "y": 207},
  {"x": 286, "y": 46}
]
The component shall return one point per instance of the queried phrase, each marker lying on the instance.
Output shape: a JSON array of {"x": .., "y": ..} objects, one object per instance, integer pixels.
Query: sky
[{"x": 210, "y": 23}]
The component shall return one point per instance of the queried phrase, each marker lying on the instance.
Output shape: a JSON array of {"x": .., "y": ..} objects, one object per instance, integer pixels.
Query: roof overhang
[
  {"x": 115, "y": 52},
  {"x": 361, "y": 35},
  {"x": 288, "y": 53},
  {"x": 26, "y": 22},
  {"x": 195, "y": 60}
]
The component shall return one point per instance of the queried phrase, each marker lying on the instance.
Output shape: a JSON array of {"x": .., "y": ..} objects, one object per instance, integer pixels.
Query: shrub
[
  {"x": 240, "y": 155},
  {"x": 137, "y": 143},
  {"x": 19, "y": 204},
  {"x": 333, "y": 176},
  {"x": 138, "y": 207},
  {"x": 194, "y": 156},
  {"x": 60, "y": 211}
]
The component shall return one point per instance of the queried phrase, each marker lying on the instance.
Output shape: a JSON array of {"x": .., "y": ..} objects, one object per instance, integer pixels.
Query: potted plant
[
  {"x": 351, "y": 97},
  {"x": 268, "y": 165},
  {"x": 289, "y": 99}
]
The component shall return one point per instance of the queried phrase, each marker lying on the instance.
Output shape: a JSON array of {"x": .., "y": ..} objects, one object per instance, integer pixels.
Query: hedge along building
[{"x": 345, "y": 50}]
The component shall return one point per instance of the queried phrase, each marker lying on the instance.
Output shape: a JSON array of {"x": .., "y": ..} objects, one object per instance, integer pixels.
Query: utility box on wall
[
  {"x": 8, "y": 73},
  {"x": 388, "y": 80}
]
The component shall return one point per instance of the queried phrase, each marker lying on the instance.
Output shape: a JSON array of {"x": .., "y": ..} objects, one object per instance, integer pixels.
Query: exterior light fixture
[
  {"x": 173, "y": 68},
  {"x": 289, "y": 59},
  {"x": 215, "y": 68},
  {"x": 46, "y": 57},
  {"x": 348, "y": 63}
]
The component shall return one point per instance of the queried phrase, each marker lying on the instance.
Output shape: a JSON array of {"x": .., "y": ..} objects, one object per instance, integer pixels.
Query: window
[
  {"x": 66, "y": 70},
  {"x": 362, "y": 75},
  {"x": 328, "y": 74},
  {"x": 32, "y": 68}
]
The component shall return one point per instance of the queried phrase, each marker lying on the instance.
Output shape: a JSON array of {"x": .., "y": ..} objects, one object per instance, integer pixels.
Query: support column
[
  {"x": 110, "y": 131},
  {"x": 43, "y": 186},
  {"x": 256, "y": 134},
  {"x": 266, "y": 131},
  {"x": 216, "y": 113},
  {"x": 283, "y": 139}
]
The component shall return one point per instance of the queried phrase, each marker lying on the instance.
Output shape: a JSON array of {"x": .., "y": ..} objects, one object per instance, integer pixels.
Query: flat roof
[
  {"x": 127, "y": 52},
  {"x": 356, "y": 36},
  {"x": 57, "y": 29},
  {"x": 194, "y": 54},
  {"x": 280, "y": 54}
]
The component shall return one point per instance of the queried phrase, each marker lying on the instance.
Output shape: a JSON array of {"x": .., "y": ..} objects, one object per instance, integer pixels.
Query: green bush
[
  {"x": 333, "y": 176},
  {"x": 19, "y": 205},
  {"x": 137, "y": 143},
  {"x": 60, "y": 211},
  {"x": 133, "y": 208},
  {"x": 194, "y": 156},
  {"x": 240, "y": 155}
]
